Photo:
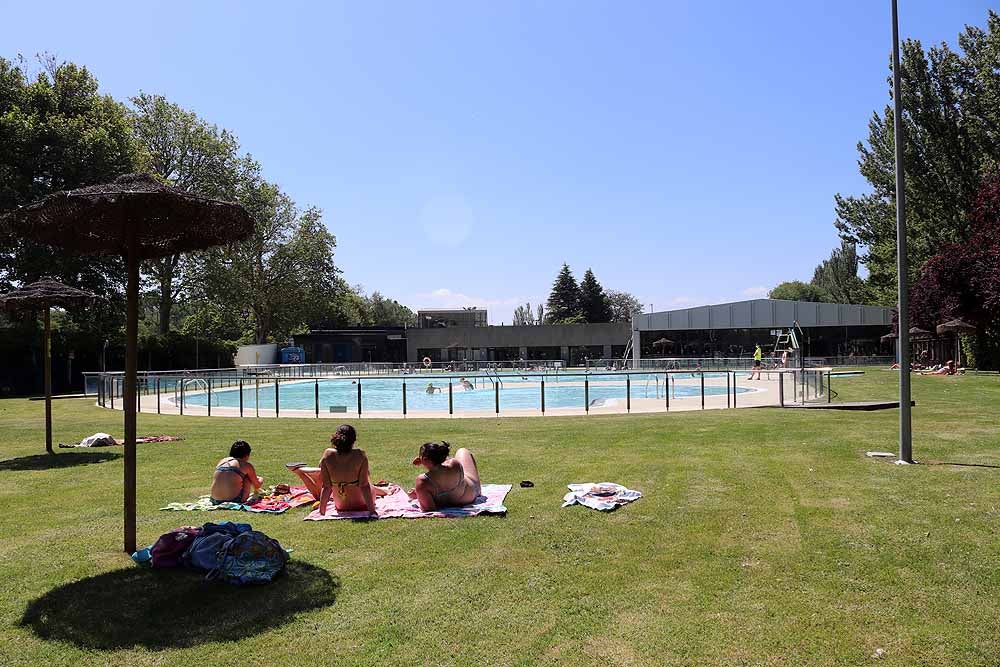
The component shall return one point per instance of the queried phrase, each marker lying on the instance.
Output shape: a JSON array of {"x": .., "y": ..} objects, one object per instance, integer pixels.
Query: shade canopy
[
  {"x": 102, "y": 219},
  {"x": 889, "y": 336},
  {"x": 44, "y": 294},
  {"x": 918, "y": 332},
  {"x": 956, "y": 326}
]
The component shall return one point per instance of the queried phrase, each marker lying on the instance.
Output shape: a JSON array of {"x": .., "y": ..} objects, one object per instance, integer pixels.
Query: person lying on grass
[
  {"x": 342, "y": 474},
  {"x": 448, "y": 482},
  {"x": 235, "y": 477}
]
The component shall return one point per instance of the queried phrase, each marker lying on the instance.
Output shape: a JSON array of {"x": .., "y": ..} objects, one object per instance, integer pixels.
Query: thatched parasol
[
  {"x": 42, "y": 295},
  {"x": 957, "y": 327},
  {"x": 917, "y": 332},
  {"x": 889, "y": 336},
  {"x": 138, "y": 218}
]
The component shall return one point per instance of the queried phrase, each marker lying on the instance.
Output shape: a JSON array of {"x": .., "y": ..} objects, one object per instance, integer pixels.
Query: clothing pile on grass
[
  {"x": 231, "y": 552},
  {"x": 604, "y": 496},
  {"x": 106, "y": 440}
]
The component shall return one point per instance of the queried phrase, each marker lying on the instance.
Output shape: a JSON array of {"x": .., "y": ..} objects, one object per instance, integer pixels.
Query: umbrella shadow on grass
[
  {"x": 165, "y": 609},
  {"x": 54, "y": 461}
]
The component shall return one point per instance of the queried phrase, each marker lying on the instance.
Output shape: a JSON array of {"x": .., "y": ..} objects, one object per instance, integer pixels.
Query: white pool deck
[{"x": 764, "y": 392}]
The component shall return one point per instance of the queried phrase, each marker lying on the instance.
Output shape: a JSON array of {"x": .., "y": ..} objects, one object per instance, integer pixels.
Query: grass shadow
[
  {"x": 165, "y": 609},
  {"x": 54, "y": 461}
]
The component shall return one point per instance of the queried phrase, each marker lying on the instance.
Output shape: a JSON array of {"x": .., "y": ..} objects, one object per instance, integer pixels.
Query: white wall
[{"x": 257, "y": 354}]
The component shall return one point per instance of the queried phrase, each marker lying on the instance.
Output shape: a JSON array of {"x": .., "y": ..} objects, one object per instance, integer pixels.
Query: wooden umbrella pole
[
  {"x": 131, "y": 336},
  {"x": 48, "y": 383}
]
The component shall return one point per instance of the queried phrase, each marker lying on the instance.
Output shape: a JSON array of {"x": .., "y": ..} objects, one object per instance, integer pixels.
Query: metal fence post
[
  {"x": 451, "y": 404},
  {"x": 543, "y": 395},
  {"x": 316, "y": 391},
  {"x": 182, "y": 396},
  {"x": 781, "y": 389},
  {"x": 404, "y": 398},
  {"x": 703, "y": 390},
  {"x": 157, "y": 395},
  {"x": 359, "y": 397},
  {"x": 496, "y": 393},
  {"x": 666, "y": 388},
  {"x": 586, "y": 395},
  {"x": 209, "y": 382},
  {"x": 277, "y": 397},
  {"x": 829, "y": 389},
  {"x": 628, "y": 393},
  {"x": 241, "y": 396},
  {"x": 734, "y": 389},
  {"x": 256, "y": 396},
  {"x": 728, "y": 397}
]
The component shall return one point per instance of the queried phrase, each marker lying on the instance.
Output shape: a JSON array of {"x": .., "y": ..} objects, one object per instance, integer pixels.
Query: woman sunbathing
[
  {"x": 342, "y": 474},
  {"x": 448, "y": 482},
  {"x": 235, "y": 476}
]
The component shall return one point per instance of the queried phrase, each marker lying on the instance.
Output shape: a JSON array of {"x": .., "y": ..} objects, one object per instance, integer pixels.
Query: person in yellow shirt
[{"x": 758, "y": 355}]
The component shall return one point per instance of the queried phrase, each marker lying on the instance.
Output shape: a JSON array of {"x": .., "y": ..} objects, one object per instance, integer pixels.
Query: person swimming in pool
[
  {"x": 431, "y": 389},
  {"x": 448, "y": 482},
  {"x": 235, "y": 477},
  {"x": 342, "y": 474},
  {"x": 466, "y": 385}
]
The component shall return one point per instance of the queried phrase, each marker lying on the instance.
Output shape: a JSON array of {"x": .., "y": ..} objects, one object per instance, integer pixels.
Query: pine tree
[
  {"x": 593, "y": 300},
  {"x": 564, "y": 301}
]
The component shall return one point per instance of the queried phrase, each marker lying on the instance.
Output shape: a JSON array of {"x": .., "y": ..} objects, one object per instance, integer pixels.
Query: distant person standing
[{"x": 758, "y": 355}]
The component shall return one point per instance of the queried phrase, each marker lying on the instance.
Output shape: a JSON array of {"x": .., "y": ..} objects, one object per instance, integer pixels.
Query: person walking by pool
[
  {"x": 235, "y": 477},
  {"x": 758, "y": 355},
  {"x": 448, "y": 482},
  {"x": 336, "y": 464}
]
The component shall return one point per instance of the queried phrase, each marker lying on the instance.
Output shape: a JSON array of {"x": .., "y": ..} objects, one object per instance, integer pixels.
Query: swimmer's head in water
[
  {"x": 344, "y": 438},
  {"x": 435, "y": 452},
  {"x": 239, "y": 449}
]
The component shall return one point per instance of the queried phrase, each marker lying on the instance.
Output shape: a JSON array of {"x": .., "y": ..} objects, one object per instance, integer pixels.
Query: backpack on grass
[
  {"x": 171, "y": 547},
  {"x": 250, "y": 558},
  {"x": 204, "y": 551}
]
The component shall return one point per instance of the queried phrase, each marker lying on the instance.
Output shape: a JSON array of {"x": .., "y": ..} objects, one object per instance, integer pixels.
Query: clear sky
[{"x": 687, "y": 151}]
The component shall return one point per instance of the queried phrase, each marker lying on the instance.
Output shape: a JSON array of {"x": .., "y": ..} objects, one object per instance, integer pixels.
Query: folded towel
[
  {"x": 397, "y": 505},
  {"x": 604, "y": 496},
  {"x": 269, "y": 504}
]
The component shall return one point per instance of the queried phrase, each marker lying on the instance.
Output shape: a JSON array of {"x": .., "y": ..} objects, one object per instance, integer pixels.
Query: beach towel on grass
[
  {"x": 105, "y": 440},
  {"x": 398, "y": 505},
  {"x": 269, "y": 504},
  {"x": 604, "y": 496}
]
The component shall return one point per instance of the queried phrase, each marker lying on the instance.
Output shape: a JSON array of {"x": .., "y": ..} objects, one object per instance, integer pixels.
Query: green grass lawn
[{"x": 764, "y": 537}]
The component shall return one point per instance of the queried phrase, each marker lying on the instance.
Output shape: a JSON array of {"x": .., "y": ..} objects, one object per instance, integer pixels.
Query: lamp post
[{"x": 905, "y": 433}]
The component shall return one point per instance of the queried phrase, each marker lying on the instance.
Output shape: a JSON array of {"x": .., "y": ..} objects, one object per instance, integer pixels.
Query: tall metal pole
[{"x": 905, "y": 433}]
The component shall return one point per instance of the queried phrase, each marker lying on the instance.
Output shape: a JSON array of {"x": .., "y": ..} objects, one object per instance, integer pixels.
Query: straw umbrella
[
  {"x": 956, "y": 327},
  {"x": 137, "y": 218},
  {"x": 43, "y": 295}
]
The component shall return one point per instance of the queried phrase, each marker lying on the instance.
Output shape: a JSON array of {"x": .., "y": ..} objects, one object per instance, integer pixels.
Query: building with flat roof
[
  {"x": 462, "y": 317},
  {"x": 734, "y": 329}
]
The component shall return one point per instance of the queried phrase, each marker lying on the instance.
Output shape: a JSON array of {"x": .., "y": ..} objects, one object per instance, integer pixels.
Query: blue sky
[{"x": 461, "y": 151}]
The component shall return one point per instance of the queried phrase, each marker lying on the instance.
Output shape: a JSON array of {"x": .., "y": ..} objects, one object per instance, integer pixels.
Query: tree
[
  {"x": 283, "y": 276},
  {"x": 524, "y": 316},
  {"x": 796, "y": 290},
  {"x": 593, "y": 300},
  {"x": 186, "y": 152},
  {"x": 963, "y": 279},
  {"x": 564, "y": 301},
  {"x": 387, "y": 312},
  {"x": 58, "y": 132},
  {"x": 623, "y": 305},
  {"x": 951, "y": 114},
  {"x": 837, "y": 277}
]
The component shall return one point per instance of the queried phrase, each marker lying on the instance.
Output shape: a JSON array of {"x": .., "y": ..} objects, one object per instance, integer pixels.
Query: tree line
[
  {"x": 950, "y": 103},
  {"x": 583, "y": 303},
  {"x": 58, "y": 131}
]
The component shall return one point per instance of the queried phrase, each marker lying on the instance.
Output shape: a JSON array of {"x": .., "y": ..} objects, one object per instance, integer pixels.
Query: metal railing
[{"x": 606, "y": 392}]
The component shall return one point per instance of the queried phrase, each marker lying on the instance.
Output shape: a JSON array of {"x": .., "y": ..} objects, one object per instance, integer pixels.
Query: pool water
[{"x": 516, "y": 393}]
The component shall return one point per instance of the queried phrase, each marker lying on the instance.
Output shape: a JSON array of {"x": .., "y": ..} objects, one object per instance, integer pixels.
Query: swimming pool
[{"x": 516, "y": 392}]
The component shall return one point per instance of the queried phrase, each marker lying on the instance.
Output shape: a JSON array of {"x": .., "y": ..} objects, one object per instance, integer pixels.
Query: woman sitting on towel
[
  {"x": 235, "y": 476},
  {"x": 448, "y": 482},
  {"x": 342, "y": 474}
]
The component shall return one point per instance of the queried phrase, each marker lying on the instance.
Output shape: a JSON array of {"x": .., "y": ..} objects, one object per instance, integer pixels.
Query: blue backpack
[
  {"x": 203, "y": 554},
  {"x": 250, "y": 558}
]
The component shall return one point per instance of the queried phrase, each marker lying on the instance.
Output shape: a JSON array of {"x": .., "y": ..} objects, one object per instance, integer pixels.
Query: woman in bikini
[
  {"x": 448, "y": 482},
  {"x": 235, "y": 476},
  {"x": 342, "y": 474}
]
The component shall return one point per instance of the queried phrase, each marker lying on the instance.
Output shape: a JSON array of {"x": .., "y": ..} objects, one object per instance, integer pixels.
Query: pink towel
[{"x": 399, "y": 506}]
